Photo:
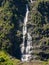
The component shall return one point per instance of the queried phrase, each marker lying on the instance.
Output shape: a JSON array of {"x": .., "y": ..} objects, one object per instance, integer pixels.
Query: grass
[{"x": 5, "y": 59}]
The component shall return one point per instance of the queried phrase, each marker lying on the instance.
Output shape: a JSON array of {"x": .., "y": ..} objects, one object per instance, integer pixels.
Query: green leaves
[
  {"x": 6, "y": 59},
  {"x": 5, "y": 25}
]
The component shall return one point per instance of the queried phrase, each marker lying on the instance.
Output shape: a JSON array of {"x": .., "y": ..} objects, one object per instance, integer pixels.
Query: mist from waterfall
[{"x": 27, "y": 40}]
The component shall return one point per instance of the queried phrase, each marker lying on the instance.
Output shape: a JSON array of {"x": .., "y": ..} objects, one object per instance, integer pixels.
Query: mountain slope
[
  {"x": 38, "y": 26},
  {"x": 12, "y": 14}
]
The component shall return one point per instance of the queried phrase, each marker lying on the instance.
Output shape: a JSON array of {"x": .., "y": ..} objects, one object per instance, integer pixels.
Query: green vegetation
[
  {"x": 38, "y": 26},
  {"x": 12, "y": 14},
  {"x": 6, "y": 59}
]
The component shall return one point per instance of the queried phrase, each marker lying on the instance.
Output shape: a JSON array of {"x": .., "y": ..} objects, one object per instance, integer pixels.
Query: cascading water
[
  {"x": 27, "y": 40},
  {"x": 31, "y": 1}
]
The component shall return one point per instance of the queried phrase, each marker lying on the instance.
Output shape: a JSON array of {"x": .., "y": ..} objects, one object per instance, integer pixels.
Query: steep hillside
[
  {"x": 12, "y": 13},
  {"x": 38, "y": 26}
]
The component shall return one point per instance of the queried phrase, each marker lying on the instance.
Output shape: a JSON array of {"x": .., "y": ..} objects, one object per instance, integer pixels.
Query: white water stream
[
  {"x": 31, "y": 1},
  {"x": 27, "y": 40}
]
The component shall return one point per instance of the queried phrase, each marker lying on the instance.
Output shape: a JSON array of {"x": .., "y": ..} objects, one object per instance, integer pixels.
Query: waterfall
[
  {"x": 27, "y": 40},
  {"x": 31, "y": 1}
]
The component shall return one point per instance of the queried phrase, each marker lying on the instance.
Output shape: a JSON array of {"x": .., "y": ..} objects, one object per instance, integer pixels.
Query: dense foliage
[
  {"x": 39, "y": 27},
  {"x": 6, "y": 59},
  {"x": 12, "y": 14}
]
